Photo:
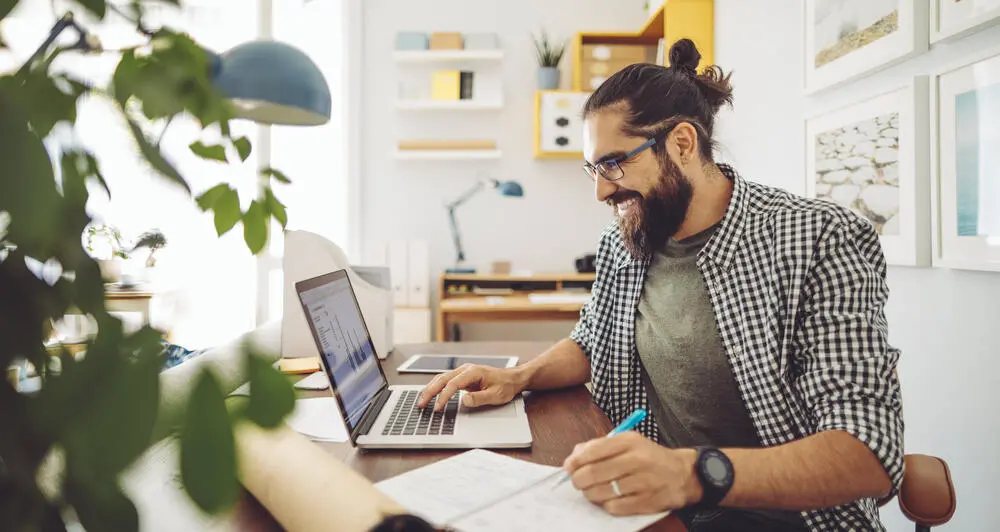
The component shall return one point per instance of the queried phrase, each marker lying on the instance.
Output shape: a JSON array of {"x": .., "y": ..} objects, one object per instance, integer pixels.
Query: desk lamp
[
  {"x": 506, "y": 188},
  {"x": 267, "y": 82}
]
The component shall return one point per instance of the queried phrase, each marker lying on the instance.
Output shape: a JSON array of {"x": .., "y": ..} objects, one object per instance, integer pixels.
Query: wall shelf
[
  {"x": 436, "y": 56},
  {"x": 452, "y": 105},
  {"x": 447, "y": 155}
]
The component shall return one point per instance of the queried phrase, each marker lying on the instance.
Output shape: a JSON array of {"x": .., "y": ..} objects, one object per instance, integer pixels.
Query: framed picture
[
  {"x": 559, "y": 124},
  {"x": 966, "y": 163},
  {"x": 953, "y": 19},
  {"x": 845, "y": 39},
  {"x": 871, "y": 157}
]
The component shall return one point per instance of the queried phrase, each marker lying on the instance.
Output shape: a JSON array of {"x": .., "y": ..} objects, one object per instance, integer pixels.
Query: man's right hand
[{"x": 485, "y": 385}]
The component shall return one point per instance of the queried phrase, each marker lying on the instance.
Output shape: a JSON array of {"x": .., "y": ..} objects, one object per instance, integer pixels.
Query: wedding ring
[{"x": 615, "y": 488}]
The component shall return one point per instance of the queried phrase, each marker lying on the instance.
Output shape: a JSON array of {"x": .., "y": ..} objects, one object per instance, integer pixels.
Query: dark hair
[{"x": 659, "y": 97}]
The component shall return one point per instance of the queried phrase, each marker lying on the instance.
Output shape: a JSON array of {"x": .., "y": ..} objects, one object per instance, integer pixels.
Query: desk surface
[{"x": 559, "y": 420}]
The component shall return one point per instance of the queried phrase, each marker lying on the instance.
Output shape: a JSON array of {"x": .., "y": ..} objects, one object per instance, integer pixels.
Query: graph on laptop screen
[{"x": 346, "y": 345}]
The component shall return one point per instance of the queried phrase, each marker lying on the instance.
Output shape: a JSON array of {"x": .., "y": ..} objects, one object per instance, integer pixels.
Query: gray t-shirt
[{"x": 686, "y": 372}]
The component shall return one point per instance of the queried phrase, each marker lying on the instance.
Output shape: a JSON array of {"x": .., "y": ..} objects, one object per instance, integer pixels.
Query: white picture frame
[
  {"x": 962, "y": 239},
  {"x": 952, "y": 20},
  {"x": 829, "y": 56},
  {"x": 871, "y": 156}
]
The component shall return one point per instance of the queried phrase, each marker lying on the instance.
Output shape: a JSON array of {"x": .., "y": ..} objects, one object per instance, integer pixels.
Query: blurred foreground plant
[{"x": 94, "y": 416}]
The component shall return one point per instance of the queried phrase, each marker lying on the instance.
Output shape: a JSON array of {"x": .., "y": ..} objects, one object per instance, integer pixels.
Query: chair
[{"x": 927, "y": 496}]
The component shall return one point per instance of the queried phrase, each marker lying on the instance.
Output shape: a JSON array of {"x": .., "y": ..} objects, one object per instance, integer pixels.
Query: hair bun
[{"x": 684, "y": 55}]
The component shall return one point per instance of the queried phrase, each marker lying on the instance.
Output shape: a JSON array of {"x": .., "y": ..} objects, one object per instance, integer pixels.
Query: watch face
[{"x": 716, "y": 470}]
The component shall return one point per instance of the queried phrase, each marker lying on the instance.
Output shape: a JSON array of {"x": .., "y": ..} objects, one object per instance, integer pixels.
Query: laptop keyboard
[{"x": 409, "y": 420}]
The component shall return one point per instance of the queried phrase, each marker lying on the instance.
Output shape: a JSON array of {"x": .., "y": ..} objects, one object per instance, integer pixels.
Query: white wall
[
  {"x": 405, "y": 199},
  {"x": 943, "y": 321}
]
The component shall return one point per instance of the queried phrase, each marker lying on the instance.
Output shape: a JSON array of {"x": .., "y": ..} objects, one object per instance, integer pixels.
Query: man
[{"x": 747, "y": 321}]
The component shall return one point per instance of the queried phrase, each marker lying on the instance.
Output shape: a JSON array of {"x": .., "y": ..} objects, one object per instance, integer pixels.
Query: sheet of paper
[
  {"x": 316, "y": 381},
  {"x": 153, "y": 484},
  {"x": 541, "y": 507},
  {"x": 446, "y": 489},
  {"x": 318, "y": 419},
  {"x": 481, "y": 490}
]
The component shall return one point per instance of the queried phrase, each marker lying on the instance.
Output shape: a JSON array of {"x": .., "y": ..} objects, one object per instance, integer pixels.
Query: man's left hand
[{"x": 650, "y": 478}]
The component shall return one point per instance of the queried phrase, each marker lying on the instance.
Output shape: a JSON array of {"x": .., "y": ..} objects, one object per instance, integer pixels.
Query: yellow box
[{"x": 446, "y": 85}]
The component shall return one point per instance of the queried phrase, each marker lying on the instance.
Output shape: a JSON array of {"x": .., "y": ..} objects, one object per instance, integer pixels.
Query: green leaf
[
  {"x": 255, "y": 227},
  {"x": 271, "y": 394},
  {"x": 208, "y": 198},
  {"x": 227, "y": 211},
  {"x": 95, "y": 170},
  {"x": 155, "y": 158},
  {"x": 271, "y": 172},
  {"x": 97, "y": 7},
  {"x": 27, "y": 182},
  {"x": 275, "y": 207},
  {"x": 208, "y": 454},
  {"x": 6, "y": 6},
  {"x": 102, "y": 507},
  {"x": 213, "y": 153},
  {"x": 126, "y": 74},
  {"x": 47, "y": 103},
  {"x": 242, "y": 146}
]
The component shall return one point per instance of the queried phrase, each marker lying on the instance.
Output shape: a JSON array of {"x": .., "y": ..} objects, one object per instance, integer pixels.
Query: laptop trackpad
[{"x": 490, "y": 412}]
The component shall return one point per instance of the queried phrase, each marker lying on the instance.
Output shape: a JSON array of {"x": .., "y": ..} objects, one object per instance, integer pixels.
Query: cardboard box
[
  {"x": 635, "y": 53},
  {"x": 446, "y": 41},
  {"x": 447, "y": 144},
  {"x": 481, "y": 41},
  {"x": 446, "y": 85}
]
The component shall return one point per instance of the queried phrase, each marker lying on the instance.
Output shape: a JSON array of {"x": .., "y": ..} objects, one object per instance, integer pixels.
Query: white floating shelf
[
  {"x": 442, "y": 105},
  {"x": 447, "y": 155},
  {"x": 431, "y": 56}
]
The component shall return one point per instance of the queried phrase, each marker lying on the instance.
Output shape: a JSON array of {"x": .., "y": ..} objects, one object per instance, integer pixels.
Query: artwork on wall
[
  {"x": 952, "y": 19},
  {"x": 871, "y": 157},
  {"x": 559, "y": 124},
  {"x": 847, "y": 38},
  {"x": 967, "y": 165}
]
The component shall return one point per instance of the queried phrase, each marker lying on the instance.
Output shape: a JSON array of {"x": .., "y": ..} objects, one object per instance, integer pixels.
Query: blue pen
[{"x": 630, "y": 423}]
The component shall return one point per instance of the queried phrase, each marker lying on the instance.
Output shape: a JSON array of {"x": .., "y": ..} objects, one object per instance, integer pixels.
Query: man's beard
[{"x": 660, "y": 213}]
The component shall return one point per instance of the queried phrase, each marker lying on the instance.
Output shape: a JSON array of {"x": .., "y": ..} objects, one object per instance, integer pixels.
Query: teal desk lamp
[
  {"x": 506, "y": 188},
  {"x": 268, "y": 82}
]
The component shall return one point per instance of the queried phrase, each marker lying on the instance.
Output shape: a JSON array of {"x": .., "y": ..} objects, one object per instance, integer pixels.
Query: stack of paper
[{"x": 481, "y": 490}]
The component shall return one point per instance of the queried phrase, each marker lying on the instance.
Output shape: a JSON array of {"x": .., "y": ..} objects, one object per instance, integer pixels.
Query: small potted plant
[
  {"x": 104, "y": 244},
  {"x": 153, "y": 239},
  {"x": 549, "y": 55}
]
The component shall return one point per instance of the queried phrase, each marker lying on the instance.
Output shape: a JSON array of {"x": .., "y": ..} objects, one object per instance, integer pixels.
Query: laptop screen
[{"x": 344, "y": 343}]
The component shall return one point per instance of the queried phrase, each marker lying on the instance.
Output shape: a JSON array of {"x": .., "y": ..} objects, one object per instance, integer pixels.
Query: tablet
[{"x": 446, "y": 363}]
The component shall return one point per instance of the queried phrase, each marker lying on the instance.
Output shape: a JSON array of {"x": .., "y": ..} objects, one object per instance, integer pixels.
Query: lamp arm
[
  {"x": 66, "y": 21},
  {"x": 468, "y": 194},
  {"x": 459, "y": 252}
]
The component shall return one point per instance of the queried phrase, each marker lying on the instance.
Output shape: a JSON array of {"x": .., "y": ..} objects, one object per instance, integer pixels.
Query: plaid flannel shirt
[{"x": 798, "y": 289}]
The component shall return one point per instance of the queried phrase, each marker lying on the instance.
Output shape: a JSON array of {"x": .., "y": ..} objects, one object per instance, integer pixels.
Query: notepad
[{"x": 480, "y": 490}]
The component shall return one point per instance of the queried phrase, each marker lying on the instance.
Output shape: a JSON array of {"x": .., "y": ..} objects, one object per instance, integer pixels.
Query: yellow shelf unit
[
  {"x": 676, "y": 19},
  {"x": 558, "y": 124}
]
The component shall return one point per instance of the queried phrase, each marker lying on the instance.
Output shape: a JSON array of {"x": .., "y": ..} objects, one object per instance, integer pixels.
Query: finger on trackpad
[{"x": 492, "y": 411}]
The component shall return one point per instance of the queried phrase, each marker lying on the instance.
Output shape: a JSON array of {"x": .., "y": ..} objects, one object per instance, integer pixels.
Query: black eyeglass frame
[{"x": 613, "y": 166}]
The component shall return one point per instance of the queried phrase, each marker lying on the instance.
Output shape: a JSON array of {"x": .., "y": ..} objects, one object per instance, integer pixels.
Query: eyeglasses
[{"x": 611, "y": 169}]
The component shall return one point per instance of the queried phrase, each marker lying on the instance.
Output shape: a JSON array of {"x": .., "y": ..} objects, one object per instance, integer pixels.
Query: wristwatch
[{"x": 715, "y": 473}]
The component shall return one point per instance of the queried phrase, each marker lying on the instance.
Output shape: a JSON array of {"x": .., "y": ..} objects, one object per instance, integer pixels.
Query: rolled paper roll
[{"x": 305, "y": 488}]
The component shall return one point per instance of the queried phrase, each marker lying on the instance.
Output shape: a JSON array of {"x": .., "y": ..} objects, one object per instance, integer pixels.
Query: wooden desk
[
  {"x": 484, "y": 298},
  {"x": 559, "y": 420}
]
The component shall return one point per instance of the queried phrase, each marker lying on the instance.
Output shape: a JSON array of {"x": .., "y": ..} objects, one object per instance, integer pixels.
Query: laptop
[{"x": 380, "y": 416}]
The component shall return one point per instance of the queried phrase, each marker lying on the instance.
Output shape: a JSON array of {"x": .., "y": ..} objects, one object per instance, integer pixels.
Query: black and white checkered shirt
[{"x": 798, "y": 289}]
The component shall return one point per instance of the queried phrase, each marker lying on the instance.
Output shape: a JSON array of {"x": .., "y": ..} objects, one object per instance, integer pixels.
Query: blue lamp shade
[
  {"x": 510, "y": 188},
  {"x": 273, "y": 83}
]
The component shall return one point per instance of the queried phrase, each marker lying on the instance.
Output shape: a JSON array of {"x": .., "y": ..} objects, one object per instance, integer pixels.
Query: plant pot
[
  {"x": 548, "y": 78},
  {"x": 111, "y": 270}
]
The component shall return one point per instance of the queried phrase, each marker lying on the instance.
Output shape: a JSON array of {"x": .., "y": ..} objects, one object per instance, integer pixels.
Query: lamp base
[{"x": 460, "y": 270}]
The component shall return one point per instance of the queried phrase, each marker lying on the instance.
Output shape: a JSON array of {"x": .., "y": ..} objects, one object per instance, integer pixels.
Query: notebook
[{"x": 485, "y": 491}]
